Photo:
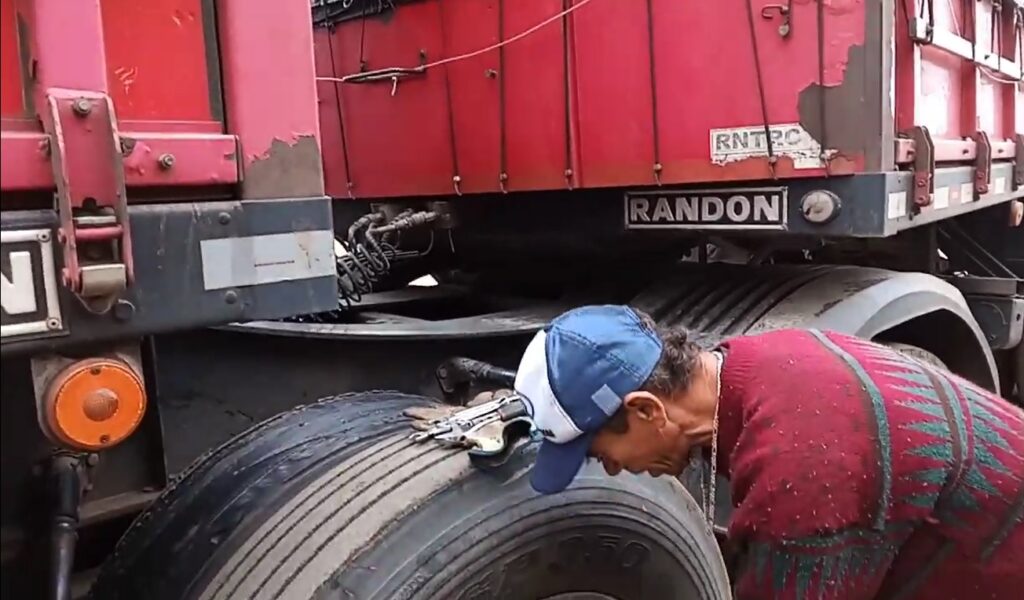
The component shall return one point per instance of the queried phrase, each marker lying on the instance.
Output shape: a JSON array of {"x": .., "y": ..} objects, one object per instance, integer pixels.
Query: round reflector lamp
[{"x": 95, "y": 404}]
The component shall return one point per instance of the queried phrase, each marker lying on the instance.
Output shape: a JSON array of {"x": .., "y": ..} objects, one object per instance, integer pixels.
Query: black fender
[{"x": 724, "y": 300}]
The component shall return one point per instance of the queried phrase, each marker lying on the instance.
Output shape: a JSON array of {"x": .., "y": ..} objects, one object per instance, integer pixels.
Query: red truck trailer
[{"x": 731, "y": 167}]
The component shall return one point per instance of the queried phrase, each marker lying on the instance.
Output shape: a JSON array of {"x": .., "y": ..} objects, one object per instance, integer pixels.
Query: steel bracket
[
  {"x": 86, "y": 157},
  {"x": 982, "y": 162},
  {"x": 1018, "y": 165},
  {"x": 924, "y": 166}
]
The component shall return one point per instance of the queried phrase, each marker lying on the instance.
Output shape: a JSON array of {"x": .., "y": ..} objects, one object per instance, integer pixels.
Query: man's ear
[{"x": 645, "y": 406}]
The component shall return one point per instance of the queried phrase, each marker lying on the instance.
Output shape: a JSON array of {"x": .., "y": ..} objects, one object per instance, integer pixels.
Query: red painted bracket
[
  {"x": 982, "y": 162},
  {"x": 85, "y": 154},
  {"x": 924, "y": 166},
  {"x": 151, "y": 159}
]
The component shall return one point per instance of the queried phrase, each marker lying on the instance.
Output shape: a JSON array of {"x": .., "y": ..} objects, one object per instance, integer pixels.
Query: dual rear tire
[{"x": 332, "y": 500}]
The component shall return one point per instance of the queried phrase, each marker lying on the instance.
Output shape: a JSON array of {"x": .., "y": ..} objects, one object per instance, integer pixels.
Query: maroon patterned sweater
[{"x": 859, "y": 473}]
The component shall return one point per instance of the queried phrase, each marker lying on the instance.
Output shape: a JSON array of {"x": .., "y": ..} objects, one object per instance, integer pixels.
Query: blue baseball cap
[{"x": 573, "y": 375}]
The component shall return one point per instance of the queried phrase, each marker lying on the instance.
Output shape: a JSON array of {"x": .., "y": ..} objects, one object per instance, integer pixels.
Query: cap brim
[{"x": 557, "y": 464}]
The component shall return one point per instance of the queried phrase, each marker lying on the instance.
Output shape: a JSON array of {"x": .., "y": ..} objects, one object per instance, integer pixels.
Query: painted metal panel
[
  {"x": 269, "y": 82},
  {"x": 601, "y": 93},
  {"x": 474, "y": 92},
  {"x": 157, "y": 60},
  {"x": 332, "y": 130},
  {"x": 534, "y": 97},
  {"x": 11, "y": 102},
  {"x": 614, "y": 94},
  {"x": 400, "y": 128}
]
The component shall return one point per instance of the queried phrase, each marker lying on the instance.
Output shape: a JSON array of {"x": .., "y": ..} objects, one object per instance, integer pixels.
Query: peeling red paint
[{"x": 284, "y": 111}]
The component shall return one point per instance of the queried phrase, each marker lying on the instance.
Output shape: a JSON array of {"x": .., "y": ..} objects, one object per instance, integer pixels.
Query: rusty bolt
[
  {"x": 166, "y": 161},
  {"x": 81, "y": 106}
]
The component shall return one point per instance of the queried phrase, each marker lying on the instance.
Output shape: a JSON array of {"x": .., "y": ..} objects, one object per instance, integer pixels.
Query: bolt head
[
  {"x": 53, "y": 324},
  {"x": 166, "y": 161},
  {"x": 231, "y": 296},
  {"x": 127, "y": 145},
  {"x": 81, "y": 106},
  {"x": 224, "y": 218},
  {"x": 820, "y": 206}
]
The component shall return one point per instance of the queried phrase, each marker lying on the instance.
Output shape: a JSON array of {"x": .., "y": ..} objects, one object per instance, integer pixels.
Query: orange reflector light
[{"x": 95, "y": 403}]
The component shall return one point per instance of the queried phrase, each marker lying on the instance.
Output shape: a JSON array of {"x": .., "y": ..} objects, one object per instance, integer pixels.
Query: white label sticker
[
  {"x": 966, "y": 193},
  {"x": 940, "y": 198},
  {"x": 897, "y": 205},
  {"x": 262, "y": 259},
  {"x": 790, "y": 140},
  {"x": 999, "y": 185}
]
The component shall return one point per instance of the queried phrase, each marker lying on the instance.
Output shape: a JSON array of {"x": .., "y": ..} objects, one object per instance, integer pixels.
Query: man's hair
[{"x": 674, "y": 371}]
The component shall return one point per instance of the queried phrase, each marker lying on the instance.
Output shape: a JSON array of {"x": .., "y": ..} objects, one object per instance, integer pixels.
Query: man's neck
[{"x": 703, "y": 400}]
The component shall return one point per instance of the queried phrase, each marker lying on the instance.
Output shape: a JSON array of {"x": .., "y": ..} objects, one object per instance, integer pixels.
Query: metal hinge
[
  {"x": 85, "y": 152},
  {"x": 982, "y": 162},
  {"x": 924, "y": 166}
]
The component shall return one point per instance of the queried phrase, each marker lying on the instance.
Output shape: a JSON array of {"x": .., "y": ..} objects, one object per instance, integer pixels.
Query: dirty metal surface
[
  {"x": 270, "y": 96},
  {"x": 170, "y": 291}
]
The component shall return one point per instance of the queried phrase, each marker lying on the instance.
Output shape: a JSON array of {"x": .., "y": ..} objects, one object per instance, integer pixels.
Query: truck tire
[{"x": 332, "y": 500}]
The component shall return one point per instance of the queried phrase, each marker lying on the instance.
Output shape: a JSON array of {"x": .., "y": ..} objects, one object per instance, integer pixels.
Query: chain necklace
[{"x": 709, "y": 499}]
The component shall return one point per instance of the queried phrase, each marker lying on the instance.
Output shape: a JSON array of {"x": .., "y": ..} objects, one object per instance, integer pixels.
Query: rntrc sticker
[
  {"x": 789, "y": 140},
  {"x": 746, "y": 208}
]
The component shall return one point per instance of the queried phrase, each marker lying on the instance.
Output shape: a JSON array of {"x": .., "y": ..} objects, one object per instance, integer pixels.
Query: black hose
[{"x": 66, "y": 490}]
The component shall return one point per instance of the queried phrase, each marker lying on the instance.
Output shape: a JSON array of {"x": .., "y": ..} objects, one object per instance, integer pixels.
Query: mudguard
[{"x": 724, "y": 300}]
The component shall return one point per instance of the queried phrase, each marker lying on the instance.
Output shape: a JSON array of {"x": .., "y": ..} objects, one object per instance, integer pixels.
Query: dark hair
[
  {"x": 674, "y": 371},
  {"x": 678, "y": 362}
]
